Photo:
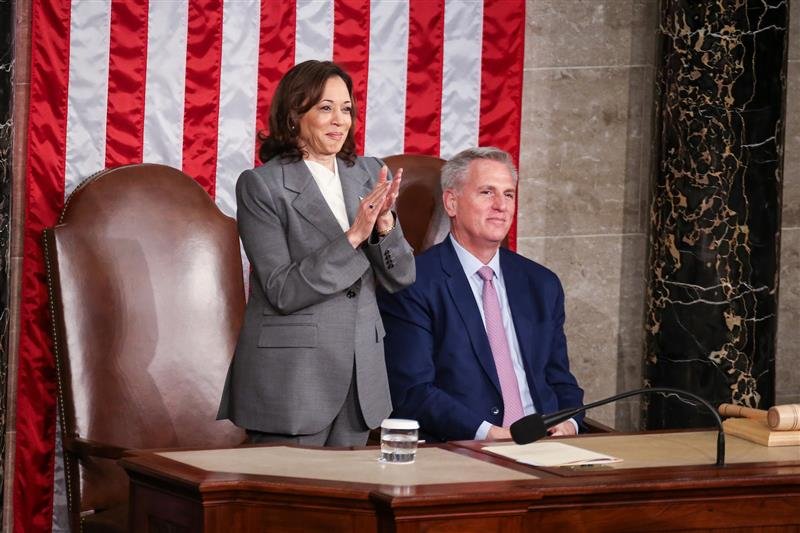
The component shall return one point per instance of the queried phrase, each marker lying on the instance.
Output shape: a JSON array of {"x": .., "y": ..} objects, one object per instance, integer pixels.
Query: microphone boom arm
[{"x": 566, "y": 414}]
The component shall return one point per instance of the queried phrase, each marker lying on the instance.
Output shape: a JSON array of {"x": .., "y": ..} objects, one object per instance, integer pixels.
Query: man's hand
[
  {"x": 498, "y": 433},
  {"x": 563, "y": 429}
]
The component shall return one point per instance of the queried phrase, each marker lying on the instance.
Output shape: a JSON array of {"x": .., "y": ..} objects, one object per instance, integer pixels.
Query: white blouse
[{"x": 331, "y": 187}]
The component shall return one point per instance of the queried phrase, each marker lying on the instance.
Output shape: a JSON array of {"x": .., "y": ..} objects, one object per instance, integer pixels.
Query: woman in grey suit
[{"x": 317, "y": 225}]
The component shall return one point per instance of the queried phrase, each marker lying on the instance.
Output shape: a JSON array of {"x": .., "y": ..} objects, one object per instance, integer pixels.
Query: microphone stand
[{"x": 565, "y": 414}]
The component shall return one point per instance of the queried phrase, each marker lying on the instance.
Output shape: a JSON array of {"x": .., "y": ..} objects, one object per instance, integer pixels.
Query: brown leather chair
[
  {"x": 147, "y": 297},
  {"x": 419, "y": 204}
]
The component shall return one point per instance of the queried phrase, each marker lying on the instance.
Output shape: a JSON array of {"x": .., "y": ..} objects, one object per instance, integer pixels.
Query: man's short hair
[{"x": 454, "y": 172}]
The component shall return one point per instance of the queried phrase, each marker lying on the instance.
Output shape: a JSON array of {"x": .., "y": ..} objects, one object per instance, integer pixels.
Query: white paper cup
[{"x": 399, "y": 439}]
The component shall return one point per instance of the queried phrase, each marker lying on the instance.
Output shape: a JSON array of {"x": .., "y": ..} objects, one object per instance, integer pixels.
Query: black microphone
[{"x": 533, "y": 427}]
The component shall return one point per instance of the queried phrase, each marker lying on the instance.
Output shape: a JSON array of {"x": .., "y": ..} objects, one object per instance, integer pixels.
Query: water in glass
[{"x": 399, "y": 441}]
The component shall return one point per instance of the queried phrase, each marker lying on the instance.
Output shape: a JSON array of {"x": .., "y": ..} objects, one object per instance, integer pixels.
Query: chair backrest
[
  {"x": 147, "y": 298},
  {"x": 419, "y": 204}
]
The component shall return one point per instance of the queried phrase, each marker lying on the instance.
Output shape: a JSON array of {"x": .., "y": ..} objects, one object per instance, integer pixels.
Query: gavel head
[{"x": 784, "y": 417}]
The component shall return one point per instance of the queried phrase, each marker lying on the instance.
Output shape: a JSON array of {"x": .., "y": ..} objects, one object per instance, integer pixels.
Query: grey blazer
[{"x": 311, "y": 313}]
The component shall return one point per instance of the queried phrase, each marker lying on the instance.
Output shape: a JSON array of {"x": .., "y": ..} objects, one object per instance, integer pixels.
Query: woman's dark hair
[{"x": 298, "y": 91}]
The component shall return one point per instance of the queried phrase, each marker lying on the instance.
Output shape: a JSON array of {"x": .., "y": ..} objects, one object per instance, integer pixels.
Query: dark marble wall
[
  {"x": 715, "y": 217},
  {"x": 787, "y": 372},
  {"x": 6, "y": 70}
]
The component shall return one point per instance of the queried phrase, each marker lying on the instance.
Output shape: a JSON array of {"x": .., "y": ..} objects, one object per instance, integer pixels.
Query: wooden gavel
[{"x": 780, "y": 417}]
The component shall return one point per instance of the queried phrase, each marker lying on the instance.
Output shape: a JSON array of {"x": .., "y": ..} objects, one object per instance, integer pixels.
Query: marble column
[
  {"x": 6, "y": 70},
  {"x": 715, "y": 213}
]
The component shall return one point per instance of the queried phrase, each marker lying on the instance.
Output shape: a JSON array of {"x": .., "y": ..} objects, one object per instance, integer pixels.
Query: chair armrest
[
  {"x": 593, "y": 426},
  {"x": 85, "y": 448}
]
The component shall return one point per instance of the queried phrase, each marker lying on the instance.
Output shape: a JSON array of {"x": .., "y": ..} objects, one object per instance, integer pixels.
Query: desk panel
[{"x": 760, "y": 493}]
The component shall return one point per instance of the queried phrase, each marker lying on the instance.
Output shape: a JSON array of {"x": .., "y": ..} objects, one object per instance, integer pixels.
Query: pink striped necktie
[{"x": 512, "y": 404}]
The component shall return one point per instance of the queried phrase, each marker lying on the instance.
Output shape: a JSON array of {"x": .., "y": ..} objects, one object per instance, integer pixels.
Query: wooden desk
[{"x": 758, "y": 490}]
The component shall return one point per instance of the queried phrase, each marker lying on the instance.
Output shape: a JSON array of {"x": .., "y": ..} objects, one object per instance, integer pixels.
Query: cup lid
[{"x": 399, "y": 423}]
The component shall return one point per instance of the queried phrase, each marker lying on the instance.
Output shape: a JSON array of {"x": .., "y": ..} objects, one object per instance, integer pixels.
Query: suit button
[
  {"x": 495, "y": 411},
  {"x": 351, "y": 293}
]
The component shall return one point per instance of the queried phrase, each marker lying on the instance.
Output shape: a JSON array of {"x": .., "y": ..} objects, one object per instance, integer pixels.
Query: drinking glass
[{"x": 399, "y": 440}]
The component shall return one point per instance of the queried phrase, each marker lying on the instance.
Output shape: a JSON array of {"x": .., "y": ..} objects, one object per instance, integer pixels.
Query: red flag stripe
[
  {"x": 127, "y": 65},
  {"x": 424, "y": 79},
  {"x": 351, "y": 51},
  {"x": 201, "y": 110},
  {"x": 275, "y": 56},
  {"x": 36, "y": 389},
  {"x": 501, "y": 80}
]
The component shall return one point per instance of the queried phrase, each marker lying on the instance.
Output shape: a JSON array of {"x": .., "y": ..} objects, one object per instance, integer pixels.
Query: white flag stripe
[
  {"x": 314, "y": 30},
  {"x": 165, "y": 82},
  {"x": 384, "y": 132},
  {"x": 87, "y": 97},
  {"x": 461, "y": 76},
  {"x": 237, "y": 98}
]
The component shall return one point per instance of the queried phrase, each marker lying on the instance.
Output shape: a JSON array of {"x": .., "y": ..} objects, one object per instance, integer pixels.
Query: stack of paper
[{"x": 549, "y": 453}]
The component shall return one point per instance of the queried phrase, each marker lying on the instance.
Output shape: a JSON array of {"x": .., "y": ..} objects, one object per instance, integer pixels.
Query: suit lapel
[
  {"x": 355, "y": 184},
  {"x": 464, "y": 300},
  {"x": 523, "y": 313},
  {"x": 310, "y": 203}
]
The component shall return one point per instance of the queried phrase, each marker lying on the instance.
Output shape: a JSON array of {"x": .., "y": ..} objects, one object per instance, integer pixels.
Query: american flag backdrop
[{"x": 188, "y": 83}]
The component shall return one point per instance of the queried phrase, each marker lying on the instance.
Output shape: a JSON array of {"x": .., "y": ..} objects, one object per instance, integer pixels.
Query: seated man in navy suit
[{"x": 478, "y": 340}]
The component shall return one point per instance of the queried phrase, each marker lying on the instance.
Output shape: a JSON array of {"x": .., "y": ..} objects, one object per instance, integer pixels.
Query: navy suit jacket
[{"x": 441, "y": 370}]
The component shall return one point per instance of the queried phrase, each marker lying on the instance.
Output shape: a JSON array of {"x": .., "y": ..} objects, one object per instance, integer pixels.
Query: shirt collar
[
  {"x": 472, "y": 264},
  {"x": 319, "y": 170}
]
